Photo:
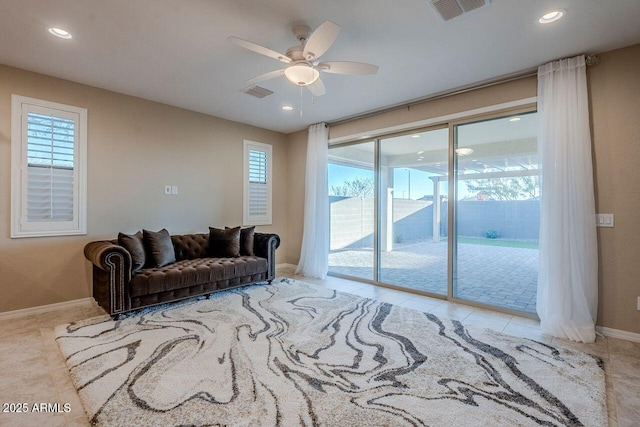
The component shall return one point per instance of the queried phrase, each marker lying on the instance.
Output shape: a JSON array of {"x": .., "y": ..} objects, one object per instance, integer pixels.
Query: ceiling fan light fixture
[{"x": 301, "y": 74}]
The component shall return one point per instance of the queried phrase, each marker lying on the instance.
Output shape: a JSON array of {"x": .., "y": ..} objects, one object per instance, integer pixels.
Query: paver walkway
[{"x": 501, "y": 276}]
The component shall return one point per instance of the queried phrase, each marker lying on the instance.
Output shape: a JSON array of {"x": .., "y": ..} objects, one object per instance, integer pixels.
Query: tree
[
  {"x": 357, "y": 187},
  {"x": 507, "y": 188}
]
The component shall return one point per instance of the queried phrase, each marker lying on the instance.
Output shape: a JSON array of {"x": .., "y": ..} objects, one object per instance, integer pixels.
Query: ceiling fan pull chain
[{"x": 300, "y": 101}]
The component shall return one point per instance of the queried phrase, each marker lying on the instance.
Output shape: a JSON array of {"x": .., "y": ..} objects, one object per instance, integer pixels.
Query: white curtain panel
[
  {"x": 567, "y": 298},
  {"x": 314, "y": 255}
]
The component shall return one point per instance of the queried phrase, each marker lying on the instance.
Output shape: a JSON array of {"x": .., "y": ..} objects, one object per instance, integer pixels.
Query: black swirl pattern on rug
[{"x": 292, "y": 353}]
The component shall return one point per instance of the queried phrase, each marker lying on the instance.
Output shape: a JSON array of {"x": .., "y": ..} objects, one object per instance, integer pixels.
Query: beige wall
[
  {"x": 614, "y": 87},
  {"x": 135, "y": 147},
  {"x": 507, "y": 92}
]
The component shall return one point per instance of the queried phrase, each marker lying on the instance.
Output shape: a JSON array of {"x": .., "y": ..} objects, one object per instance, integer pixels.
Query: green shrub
[{"x": 492, "y": 234}]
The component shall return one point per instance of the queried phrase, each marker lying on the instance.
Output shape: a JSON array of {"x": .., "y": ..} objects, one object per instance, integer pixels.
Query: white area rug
[{"x": 293, "y": 353}]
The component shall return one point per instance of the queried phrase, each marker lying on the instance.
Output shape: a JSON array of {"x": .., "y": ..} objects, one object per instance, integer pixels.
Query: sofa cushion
[
  {"x": 133, "y": 244},
  {"x": 191, "y": 246},
  {"x": 159, "y": 247},
  {"x": 193, "y": 272},
  {"x": 224, "y": 243},
  {"x": 246, "y": 240}
]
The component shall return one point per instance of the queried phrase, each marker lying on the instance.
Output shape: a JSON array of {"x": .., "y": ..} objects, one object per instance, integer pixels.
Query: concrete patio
[{"x": 500, "y": 276}]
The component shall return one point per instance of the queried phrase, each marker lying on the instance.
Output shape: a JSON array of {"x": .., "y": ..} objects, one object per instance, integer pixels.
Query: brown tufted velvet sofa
[{"x": 194, "y": 273}]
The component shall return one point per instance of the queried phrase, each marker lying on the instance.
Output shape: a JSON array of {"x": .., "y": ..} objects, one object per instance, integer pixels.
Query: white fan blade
[
  {"x": 321, "y": 40},
  {"x": 347, "y": 67},
  {"x": 259, "y": 49},
  {"x": 265, "y": 76},
  {"x": 317, "y": 88}
]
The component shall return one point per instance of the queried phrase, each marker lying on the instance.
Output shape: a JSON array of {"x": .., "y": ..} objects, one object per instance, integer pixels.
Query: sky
[{"x": 421, "y": 185}]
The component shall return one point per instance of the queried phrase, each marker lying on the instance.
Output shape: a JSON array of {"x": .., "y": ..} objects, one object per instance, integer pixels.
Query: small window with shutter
[
  {"x": 48, "y": 155},
  {"x": 257, "y": 183}
]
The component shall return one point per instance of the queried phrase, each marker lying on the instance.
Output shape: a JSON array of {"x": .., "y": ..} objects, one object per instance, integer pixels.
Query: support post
[{"x": 436, "y": 209}]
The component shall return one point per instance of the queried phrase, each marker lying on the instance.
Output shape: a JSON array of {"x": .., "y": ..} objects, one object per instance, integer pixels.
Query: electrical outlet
[{"x": 167, "y": 190}]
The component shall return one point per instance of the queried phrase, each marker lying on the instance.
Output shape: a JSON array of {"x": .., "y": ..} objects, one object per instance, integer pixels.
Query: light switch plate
[
  {"x": 167, "y": 190},
  {"x": 174, "y": 189},
  {"x": 604, "y": 220}
]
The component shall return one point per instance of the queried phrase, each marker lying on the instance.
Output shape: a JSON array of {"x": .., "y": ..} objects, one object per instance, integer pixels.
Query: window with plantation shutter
[
  {"x": 257, "y": 183},
  {"x": 48, "y": 152}
]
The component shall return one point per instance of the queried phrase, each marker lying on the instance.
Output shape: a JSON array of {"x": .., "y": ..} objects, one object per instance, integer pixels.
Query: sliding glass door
[
  {"x": 390, "y": 211},
  {"x": 413, "y": 204},
  {"x": 352, "y": 210},
  {"x": 497, "y": 211}
]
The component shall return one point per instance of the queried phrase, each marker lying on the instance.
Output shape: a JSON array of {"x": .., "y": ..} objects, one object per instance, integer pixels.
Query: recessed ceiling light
[
  {"x": 417, "y": 135},
  {"x": 420, "y": 152},
  {"x": 551, "y": 16},
  {"x": 464, "y": 151},
  {"x": 514, "y": 119},
  {"x": 59, "y": 32},
  {"x": 287, "y": 107}
]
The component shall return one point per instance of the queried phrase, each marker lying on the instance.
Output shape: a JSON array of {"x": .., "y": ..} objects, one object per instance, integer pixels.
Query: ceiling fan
[{"x": 303, "y": 65}]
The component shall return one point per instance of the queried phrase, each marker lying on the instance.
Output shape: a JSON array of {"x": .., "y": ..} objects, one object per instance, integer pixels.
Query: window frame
[
  {"x": 20, "y": 227},
  {"x": 247, "y": 218}
]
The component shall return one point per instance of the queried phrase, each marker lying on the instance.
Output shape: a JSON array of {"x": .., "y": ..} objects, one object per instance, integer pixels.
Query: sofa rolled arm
[
  {"x": 112, "y": 271},
  {"x": 264, "y": 246},
  {"x": 98, "y": 252}
]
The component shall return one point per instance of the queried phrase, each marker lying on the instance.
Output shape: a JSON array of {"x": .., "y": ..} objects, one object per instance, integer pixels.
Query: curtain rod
[{"x": 589, "y": 60}]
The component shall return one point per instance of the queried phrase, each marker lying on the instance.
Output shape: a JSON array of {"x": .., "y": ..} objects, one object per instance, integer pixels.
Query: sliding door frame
[
  {"x": 453, "y": 186},
  {"x": 452, "y": 125},
  {"x": 375, "y": 213}
]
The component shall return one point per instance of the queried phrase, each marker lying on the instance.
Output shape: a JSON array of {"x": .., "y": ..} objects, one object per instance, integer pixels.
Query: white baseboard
[
  {"x": 617, "y": 333},
  {"x": 44, "y": 308},
  {"x": 286, "y": 265}
]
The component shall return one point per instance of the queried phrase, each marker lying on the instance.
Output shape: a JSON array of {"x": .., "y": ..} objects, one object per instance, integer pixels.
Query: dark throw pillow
[
  {"x": 159, "y": 247},
  {"x": 224, "y": 243},
  {"x": 246, "y": 240},
  {"x": 133, "y": 244}
]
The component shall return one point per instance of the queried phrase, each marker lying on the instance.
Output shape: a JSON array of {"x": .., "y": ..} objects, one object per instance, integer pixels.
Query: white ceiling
[{"x": 176, "y": 52}]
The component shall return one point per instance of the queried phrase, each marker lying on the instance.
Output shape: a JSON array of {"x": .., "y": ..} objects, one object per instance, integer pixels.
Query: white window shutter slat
[{"x": 49, "y": 194}]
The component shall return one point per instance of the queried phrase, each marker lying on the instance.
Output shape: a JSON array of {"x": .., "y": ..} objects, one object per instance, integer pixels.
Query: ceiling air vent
[
  {"x": 257, "y": 91},
  {"x": 449, "y": 9}
]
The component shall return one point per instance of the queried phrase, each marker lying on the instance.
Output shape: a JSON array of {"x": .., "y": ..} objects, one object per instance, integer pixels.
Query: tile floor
[
  {"x": 502, "y": 276},
  {"x": 32, "y": 369}
]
